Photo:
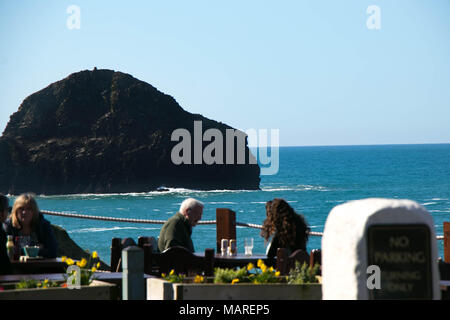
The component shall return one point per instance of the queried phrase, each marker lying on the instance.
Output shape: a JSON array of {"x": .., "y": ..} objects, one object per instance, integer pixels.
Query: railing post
[
  {"x": 447, "y": 242},
  {"x": 116, "y": 252},
  {"x": 225, "y": 225},
  {"x": 282, "y": 260},
  {"x": 133, "y": 285}
]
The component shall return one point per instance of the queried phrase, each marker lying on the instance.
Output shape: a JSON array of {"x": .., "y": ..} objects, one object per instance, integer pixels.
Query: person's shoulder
[
  {"x": 173, "y": 221},
  {"x": 43, "y": 220},
  {"x": 44, "y": 223},
  {"x": 7, "y": 225},
  {"x": 177, "y": 218}
]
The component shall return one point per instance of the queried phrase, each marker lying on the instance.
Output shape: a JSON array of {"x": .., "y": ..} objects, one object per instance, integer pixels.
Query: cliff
[
  {"x": 69, "y": 248},
  {"x": 103, "y": 131}
]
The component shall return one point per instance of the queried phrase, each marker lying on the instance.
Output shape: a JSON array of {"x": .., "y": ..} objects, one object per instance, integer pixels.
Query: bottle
[{"x": 10, "y": 247}]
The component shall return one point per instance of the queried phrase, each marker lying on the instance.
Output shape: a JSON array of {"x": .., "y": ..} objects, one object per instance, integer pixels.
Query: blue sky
[{"x": 311, "y": 69}]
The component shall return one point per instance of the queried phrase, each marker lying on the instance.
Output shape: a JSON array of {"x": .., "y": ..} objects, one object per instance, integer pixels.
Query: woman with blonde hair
[{"x": 28, "y": 223}]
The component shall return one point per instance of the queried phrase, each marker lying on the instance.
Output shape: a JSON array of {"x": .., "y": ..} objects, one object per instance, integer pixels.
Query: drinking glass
[
  {"x": 23, "y": 242},
  {"x": 224, "y": 246},
  {"x": 248, "y": 246}
]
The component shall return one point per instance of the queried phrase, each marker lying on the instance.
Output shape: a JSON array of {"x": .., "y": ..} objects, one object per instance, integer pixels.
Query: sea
[{"x": 312, "y": 180}]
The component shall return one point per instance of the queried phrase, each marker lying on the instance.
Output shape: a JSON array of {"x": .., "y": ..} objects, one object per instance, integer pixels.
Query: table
[
  {"x": 239, "y": 260},
  {"x": 36, "y": 266}
]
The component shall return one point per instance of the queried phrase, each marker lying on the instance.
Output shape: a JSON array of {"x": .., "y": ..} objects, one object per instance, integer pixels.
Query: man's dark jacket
[{"x": 176, "y": 232}]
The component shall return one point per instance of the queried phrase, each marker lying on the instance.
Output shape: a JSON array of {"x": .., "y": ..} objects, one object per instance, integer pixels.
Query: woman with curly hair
[{"x": 289, "y": 229}]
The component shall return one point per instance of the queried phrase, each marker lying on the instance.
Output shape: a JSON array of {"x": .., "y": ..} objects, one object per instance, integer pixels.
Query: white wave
[
  {"x": 86, "y": 230},
  {"x": 277, "y": 189},
  {"x": 310, "y": 187},
  {"x": 440, "y": 211},
  {"x": 143, "y": 194},
  {"x": 428, "y": 203},
  {"x": 222, "y": 202},
  {"x": 300, "y": 187}
]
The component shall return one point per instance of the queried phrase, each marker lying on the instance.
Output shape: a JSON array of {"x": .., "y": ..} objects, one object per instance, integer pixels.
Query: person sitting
[
  {"x": 5, "y": 265},
  {"x": 177, "y": 230},
  {"x": 27, "y": 222},
  {"x": 287, "y": 228}
]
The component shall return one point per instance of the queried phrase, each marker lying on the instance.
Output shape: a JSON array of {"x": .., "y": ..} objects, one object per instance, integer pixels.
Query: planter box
[
  {"x": 159, "y": 289},
  {"x": 97, "y": 290}
]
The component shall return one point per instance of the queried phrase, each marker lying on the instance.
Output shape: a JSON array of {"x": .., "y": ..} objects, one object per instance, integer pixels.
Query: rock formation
[
  {"x": 103, "y": 131},
  {"x": 69, "y": 248}
]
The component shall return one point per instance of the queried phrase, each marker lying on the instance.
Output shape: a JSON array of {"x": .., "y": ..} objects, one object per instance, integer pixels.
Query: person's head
[
  {"x": 25, "y": 211},
  {"x": 4, "y": 206},
  {"x": 282, "y": 219},
  {"x": 192, "y": 209}
]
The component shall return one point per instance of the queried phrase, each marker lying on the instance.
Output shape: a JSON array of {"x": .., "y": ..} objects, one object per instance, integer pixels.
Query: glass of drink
[
  {"x": 224, "y": 247},
  {"x": 248, "y": 246}
]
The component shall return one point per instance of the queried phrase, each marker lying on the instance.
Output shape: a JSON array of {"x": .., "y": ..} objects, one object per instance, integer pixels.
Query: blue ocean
[{"x": 312, "y": 179}]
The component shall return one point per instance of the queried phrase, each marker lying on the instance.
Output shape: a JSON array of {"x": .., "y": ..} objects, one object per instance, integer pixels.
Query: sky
[{"x": 318, "y": 71}]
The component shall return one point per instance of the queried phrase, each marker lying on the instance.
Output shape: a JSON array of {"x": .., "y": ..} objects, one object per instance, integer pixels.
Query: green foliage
[
  {"x": 87, "y": 269},
  {"x": 172, "y": 277},
  {"x": 230, "y": 275},
  {"x": 303, "y": 274},
  {"x": 250, "y": 273},
  {"x": 31, "y": 284}
]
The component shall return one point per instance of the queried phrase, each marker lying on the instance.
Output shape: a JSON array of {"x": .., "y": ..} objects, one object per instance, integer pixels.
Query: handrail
[{"x": 132, "y": 220}]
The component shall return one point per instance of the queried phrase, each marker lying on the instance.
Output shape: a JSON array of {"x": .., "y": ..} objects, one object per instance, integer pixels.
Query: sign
[{"x": 403, "y": 254}]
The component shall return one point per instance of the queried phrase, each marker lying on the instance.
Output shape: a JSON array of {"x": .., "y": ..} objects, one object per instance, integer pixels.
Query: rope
[{"x": 131, "y": 220}]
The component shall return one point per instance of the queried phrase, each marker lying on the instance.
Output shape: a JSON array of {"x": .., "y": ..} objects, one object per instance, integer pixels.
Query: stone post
[{"x": 133, "y": 286}]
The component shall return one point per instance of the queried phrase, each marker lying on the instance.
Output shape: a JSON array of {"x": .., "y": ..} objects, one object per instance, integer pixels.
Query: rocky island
[{"x": 104, "y": 131}]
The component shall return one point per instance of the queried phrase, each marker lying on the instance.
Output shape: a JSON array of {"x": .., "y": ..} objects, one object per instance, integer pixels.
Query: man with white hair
[{"x": 178, "y": 229}]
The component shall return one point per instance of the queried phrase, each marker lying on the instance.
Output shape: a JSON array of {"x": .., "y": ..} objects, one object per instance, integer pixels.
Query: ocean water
[{"x": 312, "y": 179}]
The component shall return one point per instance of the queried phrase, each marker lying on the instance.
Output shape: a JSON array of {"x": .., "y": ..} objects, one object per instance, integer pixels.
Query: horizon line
[{"x": 357, "y": 145}]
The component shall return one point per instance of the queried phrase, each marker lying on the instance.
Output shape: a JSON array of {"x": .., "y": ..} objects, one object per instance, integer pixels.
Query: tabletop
[
  {"x": 239, "y": 260},
  {"x": 36, "y": 266}
]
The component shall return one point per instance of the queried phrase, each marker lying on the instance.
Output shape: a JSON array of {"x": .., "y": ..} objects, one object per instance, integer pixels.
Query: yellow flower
[
  {"x": 250, "y": 266},
  {"x": 172, "y": 272},
  {"x": 69, "y": 262},
  {"x": 63, "y": 258},
  {"x": 93, "y": 269},
  {"x": 271, "y": 269},
  {"x": 94, "y": 254},
  {"x": 277, "y": 274},
  {"x": 235, "y": 281},
  {"x": 259, "y": 263},
  {"x": 82, "y": 263},
  {"x": 163, "y": 275},
  {"x": 98, "y": 265},
  {"x": 46, "y": 281},
  {"x": 198, "y": 279},
  {"x": 263, "y": 268}
]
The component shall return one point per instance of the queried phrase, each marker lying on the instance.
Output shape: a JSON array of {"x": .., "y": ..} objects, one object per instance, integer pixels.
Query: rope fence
[{"x": 131, "y": 220}]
